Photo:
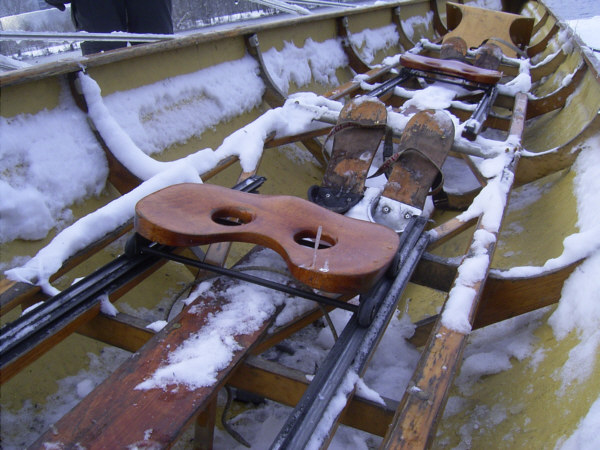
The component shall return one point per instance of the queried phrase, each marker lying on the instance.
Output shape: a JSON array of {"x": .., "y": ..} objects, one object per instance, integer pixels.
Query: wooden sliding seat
[
  {"x": 451, "y": 68},
  {"x": 350, "y": 254}
]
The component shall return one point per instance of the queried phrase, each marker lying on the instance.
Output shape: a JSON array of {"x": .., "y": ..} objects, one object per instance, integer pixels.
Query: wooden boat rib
[{"x": 538, "y": 132}]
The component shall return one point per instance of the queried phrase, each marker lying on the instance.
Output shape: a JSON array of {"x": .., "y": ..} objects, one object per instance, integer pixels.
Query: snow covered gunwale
[{"x": 194, "y": 92}]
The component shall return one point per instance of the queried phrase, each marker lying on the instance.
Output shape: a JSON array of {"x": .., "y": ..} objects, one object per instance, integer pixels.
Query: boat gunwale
[{"x": 64, "y": 66}]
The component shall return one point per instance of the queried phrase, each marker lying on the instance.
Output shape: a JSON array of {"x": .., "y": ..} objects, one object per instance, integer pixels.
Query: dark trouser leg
[
  {"x": 99, "y": 16},
  {"x": 149, "y": 16}
]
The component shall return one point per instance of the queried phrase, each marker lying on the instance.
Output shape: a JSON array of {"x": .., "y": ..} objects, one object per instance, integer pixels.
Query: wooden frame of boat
[{"x": 549, "y": 121}]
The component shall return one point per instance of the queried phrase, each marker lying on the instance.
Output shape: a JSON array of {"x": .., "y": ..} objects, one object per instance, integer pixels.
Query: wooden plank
[
  {"x": 558, "y": 98},
  {"x": 506, "y": 298},
  {"x": 15, "y": 293},
  {"x": 354, "y": 60},
  {"x": 205, "y": 427},
  {"x": 404, "y": 40},
  {"x": 420, "y": 410},
  {"x": 122, "y": 331},
  {"x": 540, "y": 46},
  {"x": 447, "y": 230},
  {"x": 116, "y": 415},
  {"x": 353, "y": 86},
  {"x": 286, "y": 386}
]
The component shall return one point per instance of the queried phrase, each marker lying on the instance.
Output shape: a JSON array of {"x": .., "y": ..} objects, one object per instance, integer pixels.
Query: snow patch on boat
[
  {"x": 313, "y": 61},
  {"x": 413, "y": 24},
  {"x": 368, "y": 42},
  {"x": 176, "y": 109},
  {"x": 48, "y": 160},
  {"x": 587, "y": 242},
  {"x": 586, "y": 435}
]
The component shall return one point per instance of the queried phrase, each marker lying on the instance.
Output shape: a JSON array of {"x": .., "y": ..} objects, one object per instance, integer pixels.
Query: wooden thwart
[{"x": 117, "y": 415}]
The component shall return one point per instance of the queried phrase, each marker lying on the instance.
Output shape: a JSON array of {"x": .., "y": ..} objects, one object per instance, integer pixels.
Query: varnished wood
[
  {"x": 450, "y": 67},
  {"x": 506, "y": 298},
  {"x": 15, "y": 293},
  {"x": 538, "y": 25},
  {"x": 356, "y": 137},
  {"x": 353, "y": 86},
  {"x": 502, "y": 297},
  {"x": 416, "y": 419},
  {"x": 438, "y": 25},
  {"x": 117, "y": 415},
  {"x": 273, "y": 95},
  {"x": 549, "y": 67},
  {"x": 558, "y": 98},
  {"x": 184, "y": 215},
  {"x": 354, "y": 60},
  {"x": 123, "y": 331},
  {"x": 415, "y": 422},
  {"x": 447, "y": 230},
  {"x": 425, "y": 144},
  {"x": 205, "y": 427}
]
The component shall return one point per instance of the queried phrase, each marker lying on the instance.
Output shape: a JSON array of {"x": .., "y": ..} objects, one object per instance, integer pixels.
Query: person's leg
[
  {"x": 99, "y": 16},
  {"x": 149, "y": 16}
]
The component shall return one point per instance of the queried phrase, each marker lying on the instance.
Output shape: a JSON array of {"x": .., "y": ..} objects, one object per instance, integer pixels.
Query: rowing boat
[{"x": 475, "y": 323}]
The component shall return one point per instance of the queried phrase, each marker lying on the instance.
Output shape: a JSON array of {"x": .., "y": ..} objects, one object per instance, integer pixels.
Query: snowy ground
[{"x": 490, "y": 351}]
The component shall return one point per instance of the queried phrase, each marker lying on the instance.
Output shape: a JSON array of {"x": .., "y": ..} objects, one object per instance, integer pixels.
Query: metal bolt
[{"x": 386, "y": 210}]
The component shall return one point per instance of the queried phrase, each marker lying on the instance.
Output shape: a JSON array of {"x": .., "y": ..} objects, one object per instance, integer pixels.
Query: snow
[
  {"x": 174, "y": 110},
  {"x": 368, "y": 42},
  {"x": 313, "y": 61},
  {"x": 196, "y": 362},
  {"x": 47, "y": 185}
]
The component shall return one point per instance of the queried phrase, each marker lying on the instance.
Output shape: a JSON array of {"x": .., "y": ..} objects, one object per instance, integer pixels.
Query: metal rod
[
  {"x": 24, "y": 333},
  {"x": 473, "y": 125},
  {"x": 390, "y": 84},
  {"x": 252, "y": 279},
  {"x": 82, "y": 36}
]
